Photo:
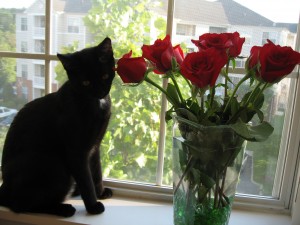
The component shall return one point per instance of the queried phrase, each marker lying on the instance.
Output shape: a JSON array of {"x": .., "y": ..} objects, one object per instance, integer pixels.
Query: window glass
[
  {"x": 129, "y": 149},
  {"x": 22, "y": 29},
  {"x": 22, "y": 80},
  {"x": 260, "y": 163}
]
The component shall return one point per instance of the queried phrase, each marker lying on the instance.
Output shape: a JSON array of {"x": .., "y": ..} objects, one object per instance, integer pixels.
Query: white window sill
[{"x": 125, "y": 211}]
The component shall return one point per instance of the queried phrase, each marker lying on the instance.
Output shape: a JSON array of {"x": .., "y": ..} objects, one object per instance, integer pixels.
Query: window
[
  {"x": 217, "y": 30},
  {"x": 185, "y": 29},
  {"x": 39, "y": 46},
  {"x": 73, "y": 25},
  {"x": 269, "y": 35},
  {"x": 24, "y": 46},
  {"x": 24, "y": 71},
  {"x": 39, "y": 21},
  {"x": 136, "y": 147},
  {"x": 23, "y": 24},
  {"x": 39, "y": 70}
]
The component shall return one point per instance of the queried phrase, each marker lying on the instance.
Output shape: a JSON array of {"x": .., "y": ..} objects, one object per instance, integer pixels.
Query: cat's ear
[
  {"x": 66, "y": 60},
  {"x": 105, "y": 45},
  {"x": 105, "y": 50}
]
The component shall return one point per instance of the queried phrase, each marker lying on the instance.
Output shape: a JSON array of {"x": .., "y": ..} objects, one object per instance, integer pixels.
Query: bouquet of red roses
[{"x": 266, "y": 65}]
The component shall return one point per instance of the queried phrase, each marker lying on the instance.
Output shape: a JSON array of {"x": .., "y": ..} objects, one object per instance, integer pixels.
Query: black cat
[{"x": 55, "y": 139}]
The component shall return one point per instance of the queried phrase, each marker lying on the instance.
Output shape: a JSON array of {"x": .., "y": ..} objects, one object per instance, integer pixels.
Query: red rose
[
  {"x": 223, "y": 41},
  {"x": 178, "y": 54},
  {"x": 237, "y": 44},
  {"x": 211, "y": 40},
  {"x": 131, "y": 70},
  {"x": 160, "y": 54},
  {"x": 203, "y": 68},
  {"x": 273, "y": 62}
]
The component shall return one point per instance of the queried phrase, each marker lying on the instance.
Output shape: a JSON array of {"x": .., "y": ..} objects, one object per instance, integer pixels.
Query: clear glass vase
[{"x": 206, "y": 166}]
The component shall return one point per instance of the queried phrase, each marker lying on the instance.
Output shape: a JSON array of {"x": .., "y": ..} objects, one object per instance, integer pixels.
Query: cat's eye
[
  {"x": 86, "y": 83},
  {"x": 105, "y": 76}
]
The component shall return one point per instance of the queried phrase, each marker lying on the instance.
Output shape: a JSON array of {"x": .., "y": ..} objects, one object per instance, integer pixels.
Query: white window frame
[{"x": 291, "y": 141}]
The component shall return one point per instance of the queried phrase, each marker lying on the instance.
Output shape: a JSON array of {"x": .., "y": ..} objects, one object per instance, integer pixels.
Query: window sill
[{"x": 128, "y": 211}]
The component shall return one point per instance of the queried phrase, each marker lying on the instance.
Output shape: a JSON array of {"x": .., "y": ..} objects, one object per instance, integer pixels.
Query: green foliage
[
  {"x": 129, "y": 149},
  {"x": 126, "y": 22}
]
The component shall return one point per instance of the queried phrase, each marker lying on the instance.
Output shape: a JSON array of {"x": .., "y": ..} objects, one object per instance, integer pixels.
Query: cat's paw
[
  {"x": 96, "y": 209},
  {"x": 66, "y": 210},
  {"x": 107, "y": 193}
]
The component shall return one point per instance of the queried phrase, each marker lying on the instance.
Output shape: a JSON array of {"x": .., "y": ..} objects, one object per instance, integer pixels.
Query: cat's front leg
[
  {"x": 96, "y": 171},
  {"x": 83, "y": 178}
]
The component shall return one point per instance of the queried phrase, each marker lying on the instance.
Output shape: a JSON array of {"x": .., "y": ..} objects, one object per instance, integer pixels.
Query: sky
[{"x": 276, "y": 10}]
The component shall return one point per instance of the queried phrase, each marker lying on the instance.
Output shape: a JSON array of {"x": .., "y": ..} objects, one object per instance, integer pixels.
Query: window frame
[{"x": 286, "y": 175}]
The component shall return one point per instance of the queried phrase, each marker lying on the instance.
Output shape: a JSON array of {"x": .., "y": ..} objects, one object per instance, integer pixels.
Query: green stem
[
  {"x": 189, "y": 165},
  {"x": 235, "y": 90},
  {"x": 252, "y": 93},
  {"x": 212, "y": 95},
  {"x": 187, "y": 81},
  {"x": 216, "y": 191},
  {"x": 170, "y": 74},
  {"x": 226, "y": 79},
  {"x": 170, "y": 99},
  {"x": 261, "y": 91}
]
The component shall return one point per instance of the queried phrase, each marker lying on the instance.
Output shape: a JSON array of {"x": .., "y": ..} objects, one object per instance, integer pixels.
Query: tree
[{"x": 8, "y": 96}]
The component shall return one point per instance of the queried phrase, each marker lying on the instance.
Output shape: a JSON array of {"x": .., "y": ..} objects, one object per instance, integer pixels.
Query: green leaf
[
  {"x": 182, "y": 112},
  {"x": 259, "y": 102},
  {"x": 253, "y": 133},
  {"x": 260, "y": 115},
  {"x": 171, "y": 90},
  {"x": 234, "y": 105},
  {"x": 174, "y": 63}
]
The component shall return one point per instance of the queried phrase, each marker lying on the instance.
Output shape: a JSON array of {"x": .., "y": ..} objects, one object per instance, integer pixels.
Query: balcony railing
[
  {"x": 39, "y": 32},
  {"x": 39, "y": 82}
]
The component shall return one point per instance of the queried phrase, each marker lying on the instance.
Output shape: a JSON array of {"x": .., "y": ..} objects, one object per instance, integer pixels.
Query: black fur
[{"x": 55, "y": 140}]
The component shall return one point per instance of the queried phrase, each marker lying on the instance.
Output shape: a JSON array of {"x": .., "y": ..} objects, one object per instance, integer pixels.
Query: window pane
[
  {"x": 22, "y": 80},
  {"x": 260, "y": 164},
  {"x": 129, "y": 149},
  {"x": 23, "y": 29}
]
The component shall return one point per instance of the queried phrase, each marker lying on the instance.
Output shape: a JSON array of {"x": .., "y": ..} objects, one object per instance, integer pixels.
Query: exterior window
[
  {"x": 39, "y": 21},
  {"x": 39, "y": 46},
  {"x": 24, "y": 46},
  {"x": 73, "y": 25},
  {"x": 185, "y": 29},
  {"x": 39, "y": 70},
  {"x": 24, "y": 71},
  {"x": 268, "y": 35},
  {"x": 23, "y": 24},
  {"x": 217, "y": 30},
  {"x": 25, "y": 92}
]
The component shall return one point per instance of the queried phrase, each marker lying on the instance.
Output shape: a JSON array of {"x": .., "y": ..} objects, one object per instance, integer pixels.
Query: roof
[
  {"x": 221, "y": 12},
  {"x": 238, "y": 14},
  {"x": 72, "y": 6},
  {"x": 78, "y": 6},
  {"x": 292, "y": 27},
  {"x": 201, "y": 10}
]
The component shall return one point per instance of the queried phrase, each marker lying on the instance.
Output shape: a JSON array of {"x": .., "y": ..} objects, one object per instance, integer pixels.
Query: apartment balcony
[
  {"x": 39, "y": 82},
  {"x": 39, "y": 32}
]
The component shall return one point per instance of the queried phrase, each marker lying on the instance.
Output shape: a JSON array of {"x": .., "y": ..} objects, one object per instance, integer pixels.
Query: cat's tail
[{"x": 4, "y": 201}]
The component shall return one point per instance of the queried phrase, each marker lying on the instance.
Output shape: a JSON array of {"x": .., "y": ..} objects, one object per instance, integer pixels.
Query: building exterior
[
  {"x": 190, "y": 21},
  {"x": 67, "y": 28}
]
